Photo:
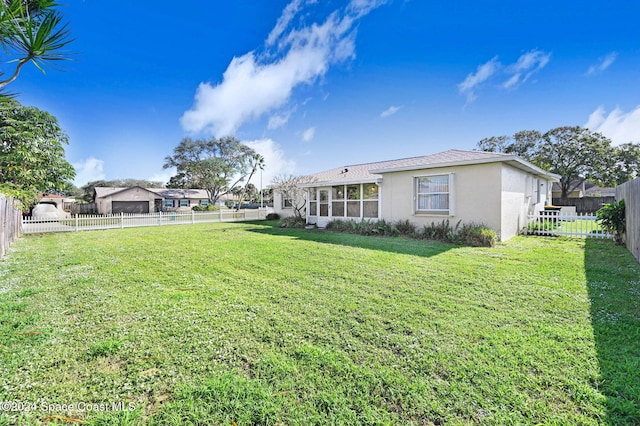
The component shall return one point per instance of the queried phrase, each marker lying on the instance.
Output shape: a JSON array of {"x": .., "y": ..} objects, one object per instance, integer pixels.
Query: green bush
[
  {"x": 292, "y": 222},
  {"x": 273, "y": 216},
  {"x": 612, "y": 219},
  {"x": 545, "y": 225},
  {"x": 208, "y": 208},
  {"x": 440, "y": 231},
  {"x": 406, "y": 228},
  {"x": 476, "y": 235}
]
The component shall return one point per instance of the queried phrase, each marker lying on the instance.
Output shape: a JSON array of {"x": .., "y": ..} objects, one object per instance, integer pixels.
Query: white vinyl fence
[
  {"x": 124, "y": 220},
  {"x": 558, "y": 223}
]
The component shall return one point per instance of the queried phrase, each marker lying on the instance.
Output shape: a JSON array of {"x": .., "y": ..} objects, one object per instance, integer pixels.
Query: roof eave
[
  {"x": 512, "y": 159},
  {"x": 340, "y": 182}
]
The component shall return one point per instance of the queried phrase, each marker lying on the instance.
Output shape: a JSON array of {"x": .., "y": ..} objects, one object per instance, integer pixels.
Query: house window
[
  {"x": 353, "y": 200},
  {"x": 204, "y": 203},
  {"x": 184, "y": 203},
  {"x": 370, "y": 200},
  {"x": 168, "y": 203},
  {"x": 287, "y": 202},
  {"x": 313, "y": 201},
  {"x": 432, "y": 193},
  {"x": 337, "y": 201}
]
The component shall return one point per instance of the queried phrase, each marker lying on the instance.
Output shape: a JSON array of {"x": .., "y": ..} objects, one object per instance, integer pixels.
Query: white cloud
[
  {"x": 88, "y": 170},
  {"x": 527, "y": 64},
  {"x": 308, "y": 134},
  {"x": 163, "y": 176},
  {"x": 604, "y": 62},
  {"x": 473, "y": 80},
  {"x": 519, "y": 72},
  {"x": 389, "y": 111},
  {"x": 289, "y": 12},
  {"x": 279, "y": 120},
  {"x": 254, "y": 85},
  {"x": 618, "y": 126},
  {"x": 274, "y": 158}
]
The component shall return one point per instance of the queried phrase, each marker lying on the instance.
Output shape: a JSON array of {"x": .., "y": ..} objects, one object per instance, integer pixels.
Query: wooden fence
[
  {"x": 10, "y": 222},
  {"x": 630, "y": 193},
  {"x": 124, "y": 220},
  {"x": 73, "y": 208},
  {"x": 584, "y": 204},
  {"x": 572, "y": 225}
]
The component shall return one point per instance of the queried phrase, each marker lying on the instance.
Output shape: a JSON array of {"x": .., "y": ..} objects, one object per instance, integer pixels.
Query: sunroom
[{"x": 346, "y": 201}]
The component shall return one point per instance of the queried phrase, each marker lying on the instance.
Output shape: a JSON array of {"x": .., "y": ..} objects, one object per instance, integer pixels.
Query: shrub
[
  {"x": 476, "y": 235},
  {"x": 406, "y": 228},
  {"x": 612, "y": 219},
  {"x": 538, "y": 227},
  {"x": 273, "y": 216},
  {"x": 338, "y": 225},
  {"x": 207, "y": 208},
  {"x": 292, "y": 222},
  {"x": 440, "y": 231}
]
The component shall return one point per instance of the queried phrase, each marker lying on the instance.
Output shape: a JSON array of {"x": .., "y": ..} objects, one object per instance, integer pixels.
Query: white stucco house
[{"x": 497, "y": 190}]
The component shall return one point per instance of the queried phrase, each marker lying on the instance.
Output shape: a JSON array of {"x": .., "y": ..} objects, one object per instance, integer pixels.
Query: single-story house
[
  {"x": 494, "y": 189},
  {"x": 137, "y": 199}
]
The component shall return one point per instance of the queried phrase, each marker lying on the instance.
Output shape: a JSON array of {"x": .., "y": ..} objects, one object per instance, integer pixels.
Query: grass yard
[{"x": 247, "y": 323}]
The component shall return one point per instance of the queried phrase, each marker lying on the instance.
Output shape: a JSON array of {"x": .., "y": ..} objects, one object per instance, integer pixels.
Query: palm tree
[{"x": 33, "y": 31}]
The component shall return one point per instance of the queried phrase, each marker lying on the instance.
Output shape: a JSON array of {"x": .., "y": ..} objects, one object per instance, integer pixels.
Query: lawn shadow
[
  {"x": 399, "y": 245},
  {"x": 613, "y": 280}
]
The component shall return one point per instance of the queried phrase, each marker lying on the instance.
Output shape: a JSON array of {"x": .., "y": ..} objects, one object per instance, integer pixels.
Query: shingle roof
[
  {"x": 371, "y": 172},
  {"x": 102, "y": 192}
]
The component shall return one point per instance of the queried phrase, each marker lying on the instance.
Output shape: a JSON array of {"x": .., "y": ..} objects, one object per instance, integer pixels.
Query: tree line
[{"x": 574, "y": 153}]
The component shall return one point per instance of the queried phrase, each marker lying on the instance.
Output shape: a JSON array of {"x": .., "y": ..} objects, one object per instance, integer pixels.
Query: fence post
[
  {"x": 76, "y": 222},
  {"x": 193, "y": 217},
  {"x": 121, "y": 220}
]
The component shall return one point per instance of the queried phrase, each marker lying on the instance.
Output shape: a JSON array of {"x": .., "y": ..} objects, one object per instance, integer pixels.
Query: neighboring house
[
  {"x": 497, "y": 190},
  {"x": 582, "y": 188},
  {"x": 137, "y": 199}
]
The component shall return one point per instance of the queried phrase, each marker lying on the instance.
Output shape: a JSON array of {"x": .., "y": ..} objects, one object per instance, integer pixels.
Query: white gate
[{"x": 558, "y": 223}]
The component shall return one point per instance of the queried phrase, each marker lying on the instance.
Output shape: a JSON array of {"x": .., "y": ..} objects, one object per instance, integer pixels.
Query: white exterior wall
[
  {"x": 522, "y": 194},
  {"x": 277, "y": 205},
  {"x": 518, "y": 194},
  {"x": 476, "y": 196}
]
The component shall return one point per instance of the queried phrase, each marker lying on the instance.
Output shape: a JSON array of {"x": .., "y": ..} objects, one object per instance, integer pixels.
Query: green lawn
[{"x": 252, "y": 324}]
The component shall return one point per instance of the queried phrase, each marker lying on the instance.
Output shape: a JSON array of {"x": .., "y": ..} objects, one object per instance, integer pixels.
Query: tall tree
[
  {"x": 627, "y": 163},
  {"x": 218, "y": 166},
  {"x": 32, "y": 158},
  {"x": 31, "y": 31},
  {"x": 573, "y": 152},
  {"x": 289, "y": 186}
]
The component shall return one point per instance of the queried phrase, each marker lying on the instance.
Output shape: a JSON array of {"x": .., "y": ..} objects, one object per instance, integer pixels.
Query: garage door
[{"x": 130, "y": 207}]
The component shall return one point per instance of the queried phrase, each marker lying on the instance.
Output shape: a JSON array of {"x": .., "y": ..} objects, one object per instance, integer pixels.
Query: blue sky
[{"x": 315, "y": 84}]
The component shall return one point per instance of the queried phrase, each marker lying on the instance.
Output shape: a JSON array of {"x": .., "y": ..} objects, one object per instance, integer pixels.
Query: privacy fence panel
[
  {"x": 584, "y": 204},
  {"x": 125, "y": 220},
  {"x": 10, "y": 222},
  {"x": 630, "y": 193}
]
